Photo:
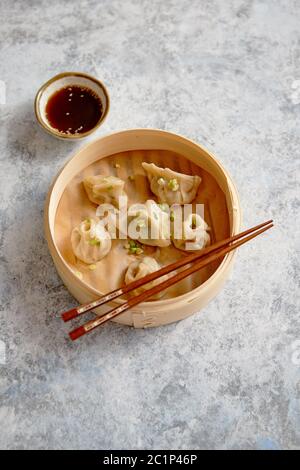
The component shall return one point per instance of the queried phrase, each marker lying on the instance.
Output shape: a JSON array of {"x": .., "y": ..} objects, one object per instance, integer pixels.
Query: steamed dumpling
[
  {"x": 150, "y": 225},
  {"x": 140, "y": 268},
  {"x": 90, "y": 241},
  {"x": 194, "y": 234},
  {"x": 171, "y": 187},
  {"x": 104, "y": 189}
]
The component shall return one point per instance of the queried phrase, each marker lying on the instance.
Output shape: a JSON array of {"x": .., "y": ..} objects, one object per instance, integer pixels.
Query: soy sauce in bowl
[{"x": 74, "y": 110}]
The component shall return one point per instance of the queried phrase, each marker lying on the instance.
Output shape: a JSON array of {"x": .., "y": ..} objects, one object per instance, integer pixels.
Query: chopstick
[
  {"x": 77, "y": 311},
  {"x": 215, "y": 253}
]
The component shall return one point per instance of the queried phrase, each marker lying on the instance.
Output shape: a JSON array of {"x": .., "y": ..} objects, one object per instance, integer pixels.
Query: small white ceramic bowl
[{"x": 61, "y": 81}]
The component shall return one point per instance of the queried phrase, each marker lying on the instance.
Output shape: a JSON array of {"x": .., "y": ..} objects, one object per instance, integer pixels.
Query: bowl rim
[
  {"x": 160, "y": 303},
  {"x": 51, "y": 130}
]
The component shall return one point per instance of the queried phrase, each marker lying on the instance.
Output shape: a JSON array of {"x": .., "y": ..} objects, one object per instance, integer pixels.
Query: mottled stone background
[{"x": 227, "y": 74}]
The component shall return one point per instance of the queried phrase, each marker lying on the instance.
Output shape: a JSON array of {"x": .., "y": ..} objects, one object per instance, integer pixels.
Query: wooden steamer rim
[{"x": 147, "y": 139}]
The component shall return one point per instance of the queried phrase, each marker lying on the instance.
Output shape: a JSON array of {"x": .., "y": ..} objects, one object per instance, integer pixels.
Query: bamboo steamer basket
[{"x": 130, "y": 143}]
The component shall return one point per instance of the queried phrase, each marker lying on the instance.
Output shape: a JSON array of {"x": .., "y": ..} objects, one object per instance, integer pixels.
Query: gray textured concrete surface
[{"x": 226, "y": 74}]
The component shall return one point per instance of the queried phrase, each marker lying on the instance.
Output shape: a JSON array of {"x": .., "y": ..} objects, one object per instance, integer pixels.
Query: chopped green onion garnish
[
  {"x": 95, "y": 242},
  {"x": 161, "y": 181},
  {"x": 173, "y": 184},
  {"x": 133, "y": 248}
]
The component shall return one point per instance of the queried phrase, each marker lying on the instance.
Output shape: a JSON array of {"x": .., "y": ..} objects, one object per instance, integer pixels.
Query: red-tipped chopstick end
[
  {"x": 66, "y": 316},
  {"x": 75, "y": 334}
]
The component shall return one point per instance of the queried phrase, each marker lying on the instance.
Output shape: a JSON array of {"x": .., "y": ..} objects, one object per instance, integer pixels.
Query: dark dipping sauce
[{"x": 74, "y": 110}]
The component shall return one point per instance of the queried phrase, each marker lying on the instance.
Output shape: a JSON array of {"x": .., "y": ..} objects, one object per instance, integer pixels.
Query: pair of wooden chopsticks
[{"x": 197, "y": 261}]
